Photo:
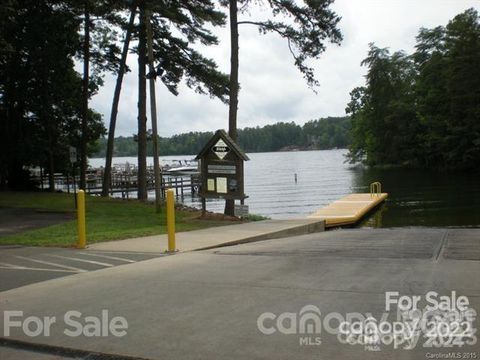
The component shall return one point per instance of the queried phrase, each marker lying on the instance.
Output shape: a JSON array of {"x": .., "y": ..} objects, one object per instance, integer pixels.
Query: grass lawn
[{"x": 107, "y": 219}]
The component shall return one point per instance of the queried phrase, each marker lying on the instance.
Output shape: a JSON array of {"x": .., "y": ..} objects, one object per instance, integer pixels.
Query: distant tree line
[
  {"x": 422, "y": 109},
  {"x": 326, "y": 133}
]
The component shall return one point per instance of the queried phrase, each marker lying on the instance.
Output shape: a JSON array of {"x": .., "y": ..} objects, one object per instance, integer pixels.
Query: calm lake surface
[{"x": 416, "y": 198}]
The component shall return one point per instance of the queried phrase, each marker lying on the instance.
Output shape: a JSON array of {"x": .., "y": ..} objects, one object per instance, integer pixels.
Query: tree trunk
[
  {"x": 142, "y": 114},
  {"x": 51, "y": 147},
  {"x": 233, "y": 96},
  {"x": 51, "y": 165},
  {"x": 116, "y": 99},
  {"x": 86, "y": 77},
  {"x": 153, "y": 114},
  {"x": 47, "y": 118}
]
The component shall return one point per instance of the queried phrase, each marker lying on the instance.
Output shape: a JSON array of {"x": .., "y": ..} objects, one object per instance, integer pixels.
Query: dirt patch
[
  {"x": 208, "y": 215},
  {"x": 219, "y": 217}
]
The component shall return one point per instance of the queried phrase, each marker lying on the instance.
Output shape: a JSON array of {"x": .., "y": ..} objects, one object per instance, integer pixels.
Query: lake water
[{"x": 416, "y": 198}]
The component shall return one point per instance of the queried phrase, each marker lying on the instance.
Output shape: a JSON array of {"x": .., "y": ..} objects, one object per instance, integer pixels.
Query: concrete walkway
[
  {"x": 217, "y": 236},
  {"x": 207, "y": 304}
]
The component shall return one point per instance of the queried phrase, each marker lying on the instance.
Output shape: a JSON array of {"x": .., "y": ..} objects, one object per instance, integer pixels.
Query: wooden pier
[
  {"x": 351, "y": 208},
  {"x": 124, "y": 182}
]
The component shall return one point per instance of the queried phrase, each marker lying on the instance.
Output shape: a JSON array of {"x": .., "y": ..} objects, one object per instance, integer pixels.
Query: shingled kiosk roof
[{"x": 221, "y": 134}]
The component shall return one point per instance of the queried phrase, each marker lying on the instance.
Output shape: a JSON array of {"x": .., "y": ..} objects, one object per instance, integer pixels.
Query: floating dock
[{"x": 351, "y": 208}]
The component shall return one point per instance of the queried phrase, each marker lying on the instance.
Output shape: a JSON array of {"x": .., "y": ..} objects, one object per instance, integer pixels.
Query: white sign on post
[
  {"x": 241, "y": 210},
  {"x": 221, "y": 185},
  {"x": 220, "y": 149},
  {"x": 73, "y": 154}
]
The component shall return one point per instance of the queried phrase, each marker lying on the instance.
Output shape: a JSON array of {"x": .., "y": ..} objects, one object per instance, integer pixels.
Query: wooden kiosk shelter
[{"x": 221, "y": 167}]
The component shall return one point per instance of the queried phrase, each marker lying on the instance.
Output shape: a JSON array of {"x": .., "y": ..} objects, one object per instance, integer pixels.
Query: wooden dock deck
[{"x": 350, "y": 209}]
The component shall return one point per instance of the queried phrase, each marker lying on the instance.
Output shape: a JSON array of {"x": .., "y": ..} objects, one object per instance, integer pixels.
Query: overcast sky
[{"x": 273, "y": 89}]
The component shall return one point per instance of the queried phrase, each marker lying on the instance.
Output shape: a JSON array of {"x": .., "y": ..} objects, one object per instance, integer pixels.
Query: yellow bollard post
[
  {"x": 171, "y": 220},
  {"x": 82, "y": 237}
]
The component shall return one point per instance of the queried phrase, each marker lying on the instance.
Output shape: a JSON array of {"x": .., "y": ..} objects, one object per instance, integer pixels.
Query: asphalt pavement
[
  {"x": 20, "y": 266},
  {"x": 17, "y": 220}
]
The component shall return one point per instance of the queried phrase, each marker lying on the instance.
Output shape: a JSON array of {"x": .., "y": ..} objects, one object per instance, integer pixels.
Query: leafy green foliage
[
  {"x": 176, "y": 26},
  {"x": 327, "y": 133},
  {"x": 255, "y": 217},
  {"x": 41, "y": 93},
  {"x": 422, "y": 109},
  {"x": 40, "y": 90},
  {"x": 306, "y": 26}
]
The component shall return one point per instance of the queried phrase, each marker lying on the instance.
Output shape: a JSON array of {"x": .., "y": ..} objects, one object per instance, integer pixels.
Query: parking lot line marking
[
  {"x": 51, "y": 264},
  {"x": 82, "y": 260},
  {"x": 15, "y": 267},
  {"x": 121, "y": 252},
  {"x": 7, "y": 265},
  {"x": 108, "y": 257}
]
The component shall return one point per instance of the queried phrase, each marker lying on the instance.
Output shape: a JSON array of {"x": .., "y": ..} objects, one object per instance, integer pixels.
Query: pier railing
[
  {"x": 124, "y": 183},
  {"x": 375, "y": 188}
]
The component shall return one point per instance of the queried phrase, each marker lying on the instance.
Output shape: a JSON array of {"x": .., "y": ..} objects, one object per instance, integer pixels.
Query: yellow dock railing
[{"x": 375, "y": 188}]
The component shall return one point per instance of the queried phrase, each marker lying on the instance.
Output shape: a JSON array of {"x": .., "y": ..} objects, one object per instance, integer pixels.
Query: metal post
[
  {"x": 171, "y": 220},
  {"x": 68, "y": 183},
  {"x": 74, "y": 186},
  {"x": 127, "y": 184},
  {"x": 41, "y": 178},
  {"x": 82, "y": 238},
  {"x": 112, "y": 182}
]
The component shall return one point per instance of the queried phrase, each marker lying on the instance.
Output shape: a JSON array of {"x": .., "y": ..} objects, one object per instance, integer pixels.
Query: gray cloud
[{"x": 272, "y": 89}]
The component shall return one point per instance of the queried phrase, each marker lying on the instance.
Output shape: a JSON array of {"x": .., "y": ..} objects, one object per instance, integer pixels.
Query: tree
[
  {"x": 431, "y": 94},
  {"x": 40, "y": 92},
  {"x": 422, "y": 110},
  {"x": 153, "y": 115},
  {"x": 234, "y": 85},
  {"x": 383, "y": 113},
  {"x": 99, "y": 51},
  {"x": 306, "y": 27},
  {"x": 142, "y": 107},
  {"x": 463, "y": 85},
  {"x": 327, "y": 133},
  {"x": 115, "y": 102},
  {"x": 176, "y": 58},
  {"x": 447, "y": 90}
]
